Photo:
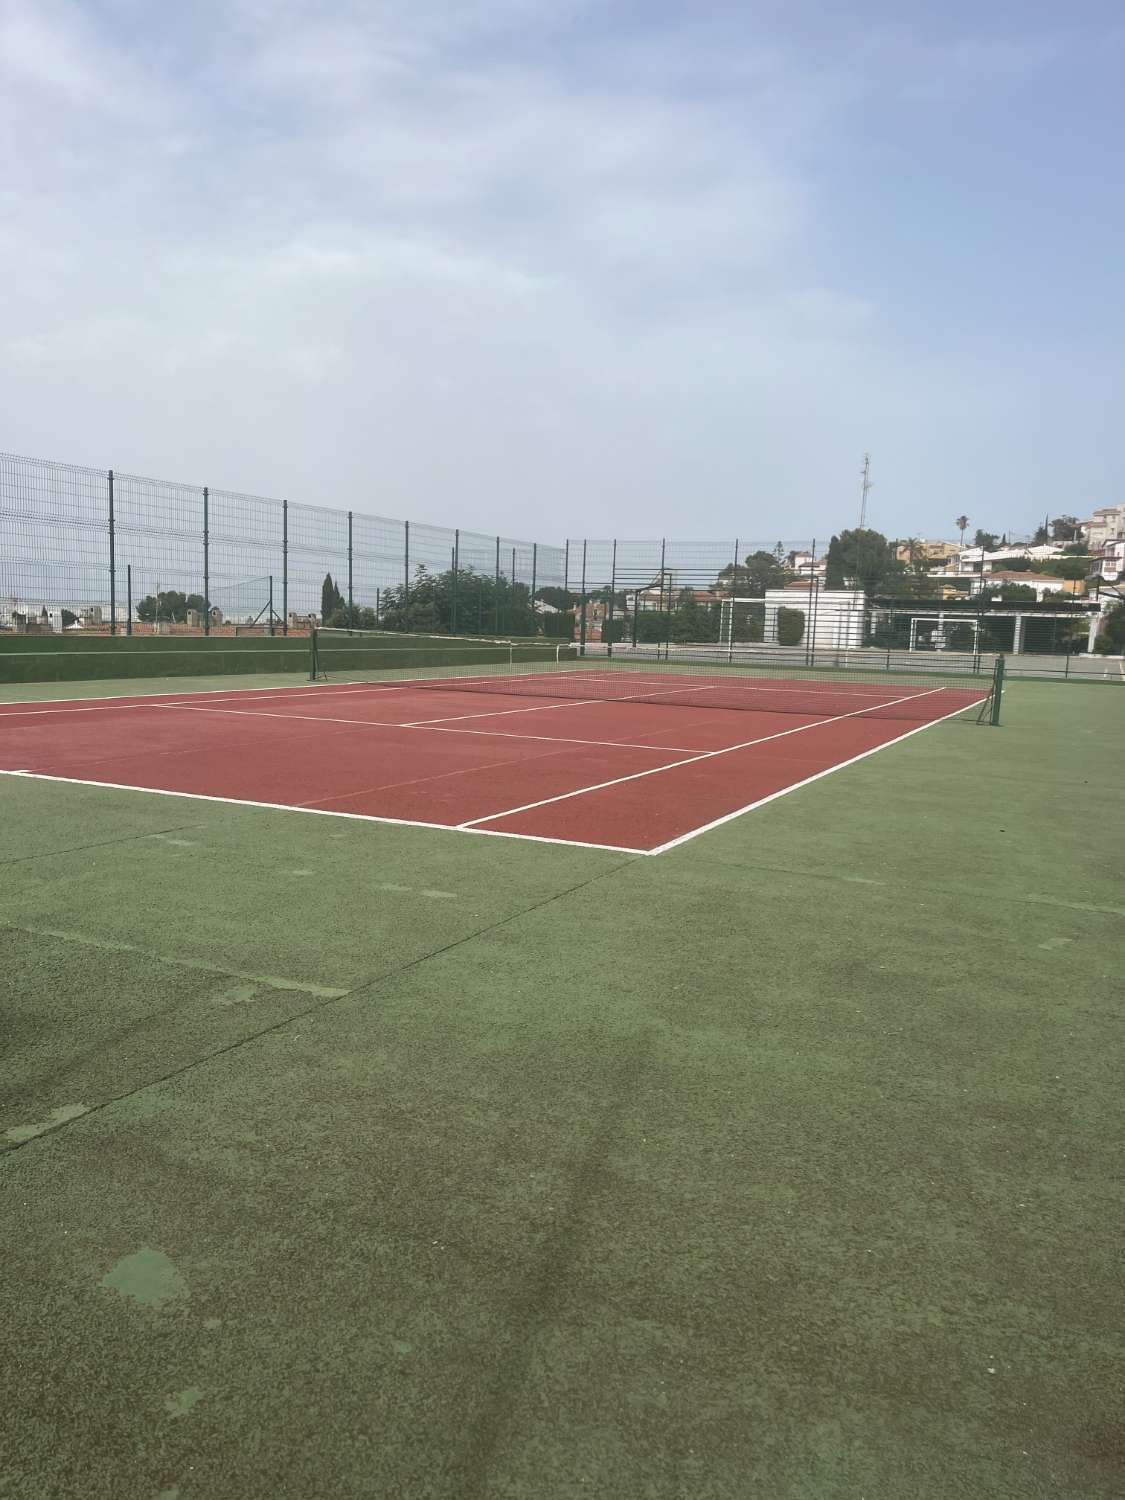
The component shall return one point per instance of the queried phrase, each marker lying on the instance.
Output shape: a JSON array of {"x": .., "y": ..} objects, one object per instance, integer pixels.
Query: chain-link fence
[{"x": 115, "y": 551}]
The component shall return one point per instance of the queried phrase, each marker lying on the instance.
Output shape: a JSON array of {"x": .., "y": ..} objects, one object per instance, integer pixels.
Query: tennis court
[{"x": 638, "y": 756}]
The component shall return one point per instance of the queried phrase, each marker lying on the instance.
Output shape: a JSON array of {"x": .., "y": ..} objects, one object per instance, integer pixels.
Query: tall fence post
[
  {"x": 453, "y": 588},
  {"x": 607, "y": 627},
  {"x": 128, "y": 598},
  {"x": 582, "y": 627},
  {"x": 271, "y": 614},
  {"x": 285, "y": 567},
  {"x": 112, "y": 564},
  {"x": 206, "y": 561},
  {"x": 406, "y": 562},
  {"x": 351, "y": 601},
  {"x": 512, "y": 593},
  {"x": 810, "y": 617},
  {"x": 733, "y": 597},
  {"x": 496, "y": 593},
  {"x": 534, "y": 579},
  {"x": 668, "y": 612}
]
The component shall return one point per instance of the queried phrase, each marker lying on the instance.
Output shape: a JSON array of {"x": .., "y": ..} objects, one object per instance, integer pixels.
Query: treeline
[{"x": 456, "y": 602}]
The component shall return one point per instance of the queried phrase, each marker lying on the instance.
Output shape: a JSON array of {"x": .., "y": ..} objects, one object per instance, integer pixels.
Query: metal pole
[
  {"x": 733, "y": 596},
  {"x": 607, "y": 628},
  {"x": 112, "y": 564},
  {"x": 271, "y": 604},
  {"x": 810, "y": 614},
  {"x": 285, "y": 567},
  {"x": 496, "y": 593},
  {"x": 351, "y": 605},
  {"x": 128, "y": 598},
  {"x": 667, "y": 613},
  {"x": 406, "y": 562},
  {"x": 206, "y": 561},
  {"x": 582, "y": 632},
  {"x": 453, "y": 590},
  {"x": 534, "y": 581},
  {"x": 512, "y": 593}
]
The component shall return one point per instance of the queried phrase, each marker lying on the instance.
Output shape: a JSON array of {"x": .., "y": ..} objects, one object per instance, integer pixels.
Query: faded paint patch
[
  {"x": 413, "y": 890},
  {"x": 20, "y": 1133},
  {"x": 182, "y": 1402},
  {"x": 271, "y": 981},
  {"x": 148, "y": 1277},
  {"x": 1056, "y": 942}
]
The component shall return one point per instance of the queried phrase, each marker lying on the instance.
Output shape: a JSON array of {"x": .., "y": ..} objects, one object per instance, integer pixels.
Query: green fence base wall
[{"x": 44, "y": 658}]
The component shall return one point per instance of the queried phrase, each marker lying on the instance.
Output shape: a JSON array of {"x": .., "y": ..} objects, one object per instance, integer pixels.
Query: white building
[
  {"x": 1107, "y": 524},
  {"x": 977, "y": 560},
  {"x": 833, "y": 617}
]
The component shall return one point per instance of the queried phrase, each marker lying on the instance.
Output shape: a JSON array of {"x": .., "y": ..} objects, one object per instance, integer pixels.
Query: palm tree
[{"x": 961, "y": 523}]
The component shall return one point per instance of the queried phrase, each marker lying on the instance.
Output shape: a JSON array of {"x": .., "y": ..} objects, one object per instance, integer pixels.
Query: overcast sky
[{"x": 573, "y": 266}]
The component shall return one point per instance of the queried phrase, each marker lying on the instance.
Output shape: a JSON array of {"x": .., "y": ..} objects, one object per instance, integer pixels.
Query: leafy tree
[
  {"x": 359, "y": 617},
  {"x": 986, "y": 539},
  {"x": 467, "y": 603},
  {"x": 69, "y": 618},
  {"x": 331, "y": 599},
  {"x": 1065, "y": 567},
  {"x": 692, "y": 621},
  {"x": 1111, "y": 638},
  {"x": 750, "y": 579},
  {"x": 860, "y": 558},
  {"x": 169, "y": 604},
  {"x": 1013, "y": 591},
  {"x": 1065, "y": 529},
  {"x": 1042, "y": 535},
  {"x": 557, "y": 598},
  {"x": 1076, "y": 549}
]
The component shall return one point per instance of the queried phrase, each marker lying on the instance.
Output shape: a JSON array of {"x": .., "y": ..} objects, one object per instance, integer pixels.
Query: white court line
[
  {"x": 581, "y": 791},
  {"x": 320, "y": 812},
  {"x": 694, "y": 833},
  {"x": 431, "y": 728}
]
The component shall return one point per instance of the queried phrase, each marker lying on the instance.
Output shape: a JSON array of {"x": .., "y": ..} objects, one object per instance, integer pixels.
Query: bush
[{"x": 790, "y": 626}]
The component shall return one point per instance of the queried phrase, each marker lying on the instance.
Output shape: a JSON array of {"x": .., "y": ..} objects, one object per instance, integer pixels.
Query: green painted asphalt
[{"x": 357, "y": 1160}]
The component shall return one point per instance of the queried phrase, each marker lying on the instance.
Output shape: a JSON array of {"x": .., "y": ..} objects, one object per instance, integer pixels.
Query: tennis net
[{"x": 869, "y": 684}]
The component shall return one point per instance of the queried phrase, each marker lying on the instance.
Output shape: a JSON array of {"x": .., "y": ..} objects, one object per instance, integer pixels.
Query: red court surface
[{"x": 632, "y": 776}]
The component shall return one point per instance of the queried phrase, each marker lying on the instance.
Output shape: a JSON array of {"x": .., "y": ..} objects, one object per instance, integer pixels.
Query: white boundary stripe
[
  {"x": 694, "y": 833},
  {"x": 581, "y": 791},
  {"x": 320, "y": 812},
  {"x": 495, "y": 734}
]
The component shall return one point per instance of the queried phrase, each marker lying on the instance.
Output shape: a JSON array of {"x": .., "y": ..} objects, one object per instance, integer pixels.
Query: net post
[
  {"x": 112, "y": 563},
  {"x": 206, "y": 561},
  {"x": 997, "y": 690},
  {"x": 312, "y": 654}
]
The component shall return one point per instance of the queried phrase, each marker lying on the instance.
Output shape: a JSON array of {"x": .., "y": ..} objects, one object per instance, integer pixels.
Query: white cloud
[{"x": 510, "y": 264}]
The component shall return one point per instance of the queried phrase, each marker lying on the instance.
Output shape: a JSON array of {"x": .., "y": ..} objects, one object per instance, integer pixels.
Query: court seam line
[
  {"x": 705, "y": 755},
  {"x": 784, "y": 791},
  {"x": 322, "y": 812}
]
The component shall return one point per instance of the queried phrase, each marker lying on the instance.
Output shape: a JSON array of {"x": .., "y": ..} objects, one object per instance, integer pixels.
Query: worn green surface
[{"x": 349, "y": 1159}]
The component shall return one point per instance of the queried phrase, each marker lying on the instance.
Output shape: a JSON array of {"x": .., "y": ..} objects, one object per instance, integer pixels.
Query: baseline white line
[
  {"x": 320, "y": 812},
  {"x": 694, "y": 833},
  {"x": 581, "y": 791}
]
